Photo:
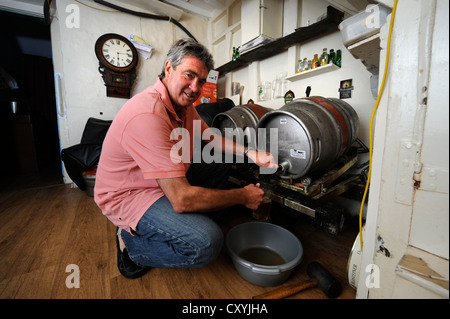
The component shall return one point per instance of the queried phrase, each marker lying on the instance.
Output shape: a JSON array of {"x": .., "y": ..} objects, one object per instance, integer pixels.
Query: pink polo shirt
[{"x": 138, "y": 149}]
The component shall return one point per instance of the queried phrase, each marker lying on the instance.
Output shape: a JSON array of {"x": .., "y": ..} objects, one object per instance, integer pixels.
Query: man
[{"x": 141, "y": 183}]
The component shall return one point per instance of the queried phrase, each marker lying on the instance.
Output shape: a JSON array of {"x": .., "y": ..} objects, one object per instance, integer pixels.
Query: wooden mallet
[{"x": 320, "y": 277}]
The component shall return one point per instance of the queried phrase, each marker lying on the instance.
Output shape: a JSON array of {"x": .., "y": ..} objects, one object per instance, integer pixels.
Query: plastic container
[
  {"x": 89, "y": 179},
  {"x": 276, "y": 252},
  {"x": 364, "y": 24}
]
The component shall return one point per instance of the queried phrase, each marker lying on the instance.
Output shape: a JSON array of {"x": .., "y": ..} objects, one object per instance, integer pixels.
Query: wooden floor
[{"x": 45, "y": 230}]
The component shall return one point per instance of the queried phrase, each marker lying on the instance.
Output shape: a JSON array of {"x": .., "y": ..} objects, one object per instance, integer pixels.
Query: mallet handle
[{"x": 287, "y": 291}]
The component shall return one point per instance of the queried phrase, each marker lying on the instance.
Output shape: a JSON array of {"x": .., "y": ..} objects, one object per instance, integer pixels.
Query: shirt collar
[{"x": 165, "y": 98}]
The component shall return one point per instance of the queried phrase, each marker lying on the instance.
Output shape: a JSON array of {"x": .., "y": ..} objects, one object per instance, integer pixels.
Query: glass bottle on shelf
[
  {"x": 324, "y": 57},
  {"x": 309, "y": 65},
  {"x": 315, "y": 62},
  {"x": 302, "y": 65},
  {"x": 338, "y": 58},
  {"x": 236, "y": 53},
  {"x": 332, "y": 56},
  {"x": 305, "y": 64}
]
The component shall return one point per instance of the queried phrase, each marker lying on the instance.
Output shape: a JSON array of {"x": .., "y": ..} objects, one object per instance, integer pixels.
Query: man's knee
[
  {"x": 215, "y": 246},
  {"x": 209, "y": 250}
]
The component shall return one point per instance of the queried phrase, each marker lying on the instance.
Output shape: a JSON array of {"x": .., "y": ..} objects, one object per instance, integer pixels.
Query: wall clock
[{"x": 118, "y": 59}]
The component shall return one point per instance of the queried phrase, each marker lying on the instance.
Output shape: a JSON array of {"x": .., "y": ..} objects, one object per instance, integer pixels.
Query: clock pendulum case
[{"x": 118, "y": 59}]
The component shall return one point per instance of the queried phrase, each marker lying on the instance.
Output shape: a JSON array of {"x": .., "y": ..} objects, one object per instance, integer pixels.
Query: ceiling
[
  {"x": 204, "y": 8},
  {"x": 209, "y": 8},
  {"x": 176, "y": 8},
  {"x": 172, "y": 8}
]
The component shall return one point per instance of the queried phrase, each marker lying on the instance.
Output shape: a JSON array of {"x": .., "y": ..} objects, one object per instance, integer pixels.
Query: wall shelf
[
  {"x": 326, "y": 25},
  {"x": 313, "y": 72},
  {"x": 368, "y": 51}
]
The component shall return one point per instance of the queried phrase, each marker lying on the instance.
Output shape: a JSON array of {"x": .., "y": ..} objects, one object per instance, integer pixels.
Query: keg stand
[{"x": 309, "y": 195}]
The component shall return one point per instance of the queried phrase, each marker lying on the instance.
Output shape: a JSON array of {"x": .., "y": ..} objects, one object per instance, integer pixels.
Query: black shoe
[{"x": 126, "y": 266}]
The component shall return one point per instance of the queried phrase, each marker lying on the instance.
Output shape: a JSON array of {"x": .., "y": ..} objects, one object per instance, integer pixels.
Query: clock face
[{"x": 116, "y": 52}]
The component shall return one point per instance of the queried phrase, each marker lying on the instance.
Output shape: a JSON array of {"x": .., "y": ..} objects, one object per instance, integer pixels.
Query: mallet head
[{"x": 325, "y": 281}]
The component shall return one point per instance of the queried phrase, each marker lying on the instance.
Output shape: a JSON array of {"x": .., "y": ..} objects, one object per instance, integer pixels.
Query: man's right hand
[{"x": 254, "y": 196}]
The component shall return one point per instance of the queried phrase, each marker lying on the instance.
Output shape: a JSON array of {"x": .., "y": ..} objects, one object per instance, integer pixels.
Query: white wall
[{"x": 82, "y": 88}]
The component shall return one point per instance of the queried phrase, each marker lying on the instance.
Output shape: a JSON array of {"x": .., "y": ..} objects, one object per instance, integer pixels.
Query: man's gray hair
[{"x": 188, "y": 48}]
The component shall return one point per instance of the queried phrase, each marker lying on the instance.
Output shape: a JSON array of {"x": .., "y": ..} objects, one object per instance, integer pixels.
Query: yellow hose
[{"x": 372, "y": 118}]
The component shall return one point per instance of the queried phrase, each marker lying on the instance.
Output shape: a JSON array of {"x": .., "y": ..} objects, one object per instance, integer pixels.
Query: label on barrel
[
  {"x": 283, "y": 120},
  {"x": 298, "y": 153}
]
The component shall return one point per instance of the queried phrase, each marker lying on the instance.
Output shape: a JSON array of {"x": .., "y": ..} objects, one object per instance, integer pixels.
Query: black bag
[{"x": 208, "y": 111}]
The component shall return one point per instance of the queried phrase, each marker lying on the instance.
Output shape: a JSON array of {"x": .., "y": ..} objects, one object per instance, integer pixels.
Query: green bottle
[
  {"x": 338, "y": 58},
  {"x": 332, "y": 56}
]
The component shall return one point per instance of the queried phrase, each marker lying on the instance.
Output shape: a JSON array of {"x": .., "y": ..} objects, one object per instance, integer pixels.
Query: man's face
[{"x": 185, "y": 83}]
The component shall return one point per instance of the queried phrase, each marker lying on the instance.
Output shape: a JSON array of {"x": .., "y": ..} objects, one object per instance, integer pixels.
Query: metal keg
[
  {"x": 239, "y": 119},
  {"x": 312, "y": 133}
]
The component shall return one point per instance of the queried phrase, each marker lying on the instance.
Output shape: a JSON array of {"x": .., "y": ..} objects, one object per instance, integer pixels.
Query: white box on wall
[{"x": 261, "y": 18}]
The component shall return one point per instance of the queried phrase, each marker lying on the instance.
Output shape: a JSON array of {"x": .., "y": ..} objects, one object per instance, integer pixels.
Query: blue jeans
[{"x": 165, "y": 238}]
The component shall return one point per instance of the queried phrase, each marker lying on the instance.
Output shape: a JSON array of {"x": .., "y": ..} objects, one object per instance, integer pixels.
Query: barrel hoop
[
  {"x": 340, "y": 119},
  {"x": 257, "y": 109}
]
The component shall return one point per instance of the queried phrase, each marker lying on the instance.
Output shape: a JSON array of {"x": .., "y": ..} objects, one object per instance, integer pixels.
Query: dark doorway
[{"x": 28, "y": 121}]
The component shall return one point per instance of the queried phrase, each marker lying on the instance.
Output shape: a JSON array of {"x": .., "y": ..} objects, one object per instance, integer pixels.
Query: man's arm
[
  {"x": 187, "y": 198},
  {"x": 230, "y": 147}
]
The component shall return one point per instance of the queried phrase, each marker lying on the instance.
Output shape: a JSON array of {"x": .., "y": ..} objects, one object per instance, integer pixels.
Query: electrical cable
[
  {"x": 147, "y": 15},
  {"x": 394, "y": 9},
  {"x": 84, "y": 4}
]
